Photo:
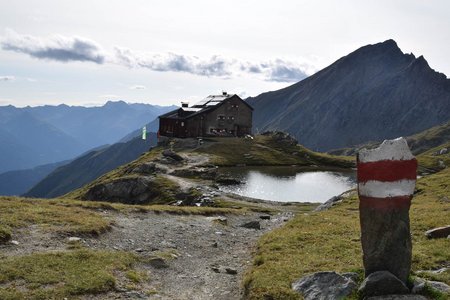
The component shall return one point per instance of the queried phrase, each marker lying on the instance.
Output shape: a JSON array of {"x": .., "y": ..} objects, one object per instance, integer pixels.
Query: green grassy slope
[
  {"x": 431, "y": 161},
  {"x": 329, "y": 240},
  {"x": 268, "y": 150}
]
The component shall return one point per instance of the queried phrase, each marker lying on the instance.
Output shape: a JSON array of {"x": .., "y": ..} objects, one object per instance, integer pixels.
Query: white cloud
[
  {"x": 66, "y": 49},
  {"x": 57, "y": 47},
  {"x": 7, "y": 78},
  {"x": 216, "y": 66}
]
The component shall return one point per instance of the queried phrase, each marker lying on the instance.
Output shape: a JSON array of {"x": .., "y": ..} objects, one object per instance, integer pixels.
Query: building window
[
  {"x": 182, "y": 124},
  {"x": 220, "y": 117},
  {"x": 234, "y": 106},
  {"x": 231, "y": 118}
]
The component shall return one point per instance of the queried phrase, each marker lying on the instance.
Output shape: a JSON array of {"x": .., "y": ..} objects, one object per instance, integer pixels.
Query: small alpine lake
[{"x": 288, "y": 184}]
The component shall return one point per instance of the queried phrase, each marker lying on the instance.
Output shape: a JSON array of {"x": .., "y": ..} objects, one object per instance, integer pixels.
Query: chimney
[
  {"x": 184, "y": 104},
  {"x": 224, "y": 93}
]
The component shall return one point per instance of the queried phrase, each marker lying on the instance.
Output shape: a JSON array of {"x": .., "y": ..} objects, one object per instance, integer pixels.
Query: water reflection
[{"x": 287, "y": 184}]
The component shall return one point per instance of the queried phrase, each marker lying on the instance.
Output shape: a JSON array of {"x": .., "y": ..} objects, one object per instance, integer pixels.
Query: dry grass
[
  {"x": 18, "y": 212},
  {"x": 59, "y": 275}
]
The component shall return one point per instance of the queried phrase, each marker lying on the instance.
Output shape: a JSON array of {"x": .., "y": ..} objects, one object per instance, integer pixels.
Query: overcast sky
[{"x": 163, "y": 52}]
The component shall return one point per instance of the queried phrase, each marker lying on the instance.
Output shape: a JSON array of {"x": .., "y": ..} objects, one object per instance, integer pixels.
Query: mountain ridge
[
  {"x": 33, "y": 136},
  {"x": 373, "y": 93}
]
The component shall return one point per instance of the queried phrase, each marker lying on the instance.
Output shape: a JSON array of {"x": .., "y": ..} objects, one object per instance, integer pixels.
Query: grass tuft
[
  {"x": 18, "y": 212},
  {"x": 5, "y": 233},
  {"x": 62, "y": 274}
]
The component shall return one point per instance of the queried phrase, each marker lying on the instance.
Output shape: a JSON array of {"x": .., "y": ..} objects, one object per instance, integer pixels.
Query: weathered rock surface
[
  {"x": 382, "y": 283},
  {"x": 130, "y": 190},
  {"x": 148, "y": 169},
  {"x": 252, "y": 225},
  {"x": 171, "y": 154},
  {"x": 420, "y": 284},
  {"x": 333, "y": 201},
  {"x": 440, "y": 232},
  {"x": 440, "y": 286},
  {"x": 325, "y": 286},
  {"x": 158, "y": 263},
  {"x": 386, "y": 242}
]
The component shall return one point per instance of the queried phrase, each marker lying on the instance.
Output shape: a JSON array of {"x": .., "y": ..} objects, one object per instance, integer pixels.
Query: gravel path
[{"x": 208, "y": 254}]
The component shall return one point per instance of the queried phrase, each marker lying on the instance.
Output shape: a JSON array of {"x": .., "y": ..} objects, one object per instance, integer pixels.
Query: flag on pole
[{"x": 144, "y": 133}]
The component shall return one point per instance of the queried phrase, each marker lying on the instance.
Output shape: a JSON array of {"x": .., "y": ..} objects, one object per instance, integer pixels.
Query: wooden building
[{"x": 217, "y": 115}]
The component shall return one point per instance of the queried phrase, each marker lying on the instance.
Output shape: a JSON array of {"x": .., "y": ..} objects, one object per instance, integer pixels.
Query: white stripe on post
[{"x": 379, "y": 189}]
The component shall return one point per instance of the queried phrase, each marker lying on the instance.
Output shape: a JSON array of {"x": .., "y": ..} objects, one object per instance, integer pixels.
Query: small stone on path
[
  {"x": 158, "y": 263},
  {"x": 252, "y": 225},
  {"x": 231, "y": 271},
  {"x": 73, "y": 239}
]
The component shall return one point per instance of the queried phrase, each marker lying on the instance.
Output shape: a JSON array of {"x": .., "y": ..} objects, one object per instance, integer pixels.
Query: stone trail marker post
[{"x": 386, "y": 182}]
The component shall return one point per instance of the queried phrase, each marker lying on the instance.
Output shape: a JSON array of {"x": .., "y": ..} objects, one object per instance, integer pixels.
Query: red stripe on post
[
  {"x": 387, "y": 170},
  {"x": 385, "y": 204}
]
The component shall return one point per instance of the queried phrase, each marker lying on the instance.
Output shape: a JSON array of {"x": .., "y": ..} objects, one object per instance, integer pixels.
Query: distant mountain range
[
  {"x": 88, "y": 167},
  {"x": 374, "y": 93},
  {"x": 33, "y": 136},
  {"x": 18, "y": 182}
]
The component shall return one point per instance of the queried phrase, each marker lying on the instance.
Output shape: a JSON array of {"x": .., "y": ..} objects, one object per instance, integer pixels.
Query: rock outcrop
[
  {"x": 130, "y": 190},
  {"x": 326, "y": 285}
]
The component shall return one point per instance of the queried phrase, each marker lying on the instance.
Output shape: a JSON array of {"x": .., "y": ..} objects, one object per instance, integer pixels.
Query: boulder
[
  {"x": 324, "y": 285},
  {"x": 130, "y": 190},
  {"x": 231, "y": 271},
  {"x": 382, "y": 283},
  {"x": 334, "y": 200},
  {"x": 440, "y": 232},
  {"x": 171, "y": 154},
  {"x": 443, "y": 151},
  {"x": 439, "y": 286},
  {"x": 158, "y": 263},
  {"x": 252, "y": 225}
]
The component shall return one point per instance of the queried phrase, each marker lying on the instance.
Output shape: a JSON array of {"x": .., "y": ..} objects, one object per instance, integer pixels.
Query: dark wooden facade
[{"x": 221, "y": 115}]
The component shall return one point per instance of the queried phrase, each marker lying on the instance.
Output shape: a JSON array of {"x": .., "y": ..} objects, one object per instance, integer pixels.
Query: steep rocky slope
[
  {"x": 374, "y": 93},
  {"x": 89, "y": 166}
]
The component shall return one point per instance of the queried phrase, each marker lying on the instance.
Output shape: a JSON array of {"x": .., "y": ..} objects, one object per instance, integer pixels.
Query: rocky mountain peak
[{"x": 376, "y": 92}]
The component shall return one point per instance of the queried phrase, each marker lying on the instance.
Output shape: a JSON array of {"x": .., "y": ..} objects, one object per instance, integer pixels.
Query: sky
[{"x": 164, "y": 52}]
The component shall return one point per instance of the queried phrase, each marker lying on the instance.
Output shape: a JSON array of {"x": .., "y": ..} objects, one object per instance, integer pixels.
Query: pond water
[{"x": 288, "y": 184}]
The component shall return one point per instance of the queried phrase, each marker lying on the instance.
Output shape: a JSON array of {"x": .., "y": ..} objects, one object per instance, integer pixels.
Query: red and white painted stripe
[{"x": 387, "y": 175}]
